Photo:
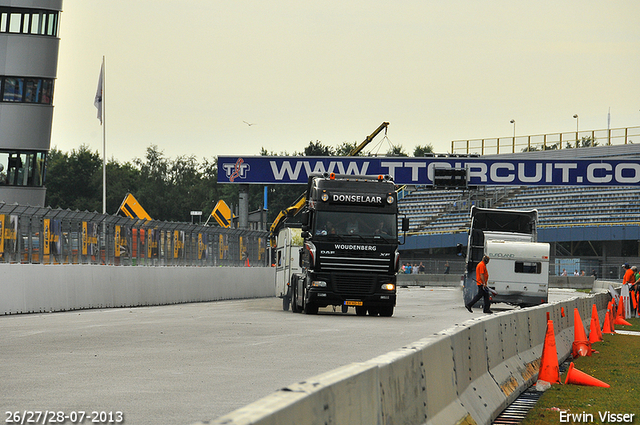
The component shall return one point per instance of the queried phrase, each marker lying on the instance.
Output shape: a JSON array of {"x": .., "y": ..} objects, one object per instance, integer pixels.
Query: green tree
[
  {"x": 421, "y": 151},
  {"x": 396, "y": 151},
  {"x": 346, "y": 148},
  {"x": 318, "y": 149},
  {"x": 74, "y": 180}
]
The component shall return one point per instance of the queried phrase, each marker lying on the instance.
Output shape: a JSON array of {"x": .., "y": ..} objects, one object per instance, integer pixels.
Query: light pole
[
  {"x": 577, "y": 127},
  {"x": 514, "y": 135}
]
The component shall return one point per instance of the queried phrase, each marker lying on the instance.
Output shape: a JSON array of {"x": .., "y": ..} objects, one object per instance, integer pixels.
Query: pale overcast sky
[{"x": 185, "y": 75}]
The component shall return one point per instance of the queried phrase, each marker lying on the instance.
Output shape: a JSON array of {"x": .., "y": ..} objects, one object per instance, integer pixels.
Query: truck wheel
[
  {"x": 386, "y": 311},
  {"x": 294, "y": 295},
  {"x": 373, "y": 312},
  {"x": 361, "y": 311},
  {"x": 286, "y": 300},
  {"x": 311, "y": 309},
  {"x": 345, "y": 309}
]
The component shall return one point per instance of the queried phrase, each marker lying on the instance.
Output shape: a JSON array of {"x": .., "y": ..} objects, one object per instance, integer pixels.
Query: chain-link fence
[{"x": 55, "y": 236}]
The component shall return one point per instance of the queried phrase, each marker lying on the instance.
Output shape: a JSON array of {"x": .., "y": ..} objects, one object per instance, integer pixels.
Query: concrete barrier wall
[
  {"x": 572, "y": 282},
  {"x": 467, "y": 374},
  {"x": 29, "y": 288}
]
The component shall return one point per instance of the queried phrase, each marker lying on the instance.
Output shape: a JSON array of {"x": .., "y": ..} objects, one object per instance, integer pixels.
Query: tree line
[{"x": 168, "y": 189}]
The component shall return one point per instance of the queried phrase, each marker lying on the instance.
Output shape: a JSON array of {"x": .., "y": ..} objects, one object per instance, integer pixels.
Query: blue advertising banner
[{"x": 419, "y": 171}]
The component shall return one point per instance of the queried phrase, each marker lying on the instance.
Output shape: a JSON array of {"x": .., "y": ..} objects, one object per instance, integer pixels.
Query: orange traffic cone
[
  {"x": 619, "y": 319},
  {"x": 596, "y": 318},
  {"x": 577, "y": 377},
  {"x": 594, "y": 335},
  {"x": 549, "y": 368},
  {"x": 581, "y": 345},
  {"x": 608, "y": 327}
]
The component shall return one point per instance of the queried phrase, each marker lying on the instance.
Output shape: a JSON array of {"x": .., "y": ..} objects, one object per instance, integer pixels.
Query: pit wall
[
  {"x": 32, "y": 288},
  {"x": 464, "y": 375}
]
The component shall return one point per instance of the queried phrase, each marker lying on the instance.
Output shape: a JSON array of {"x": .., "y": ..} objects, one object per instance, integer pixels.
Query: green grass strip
[{"x": 617, "y": 364}]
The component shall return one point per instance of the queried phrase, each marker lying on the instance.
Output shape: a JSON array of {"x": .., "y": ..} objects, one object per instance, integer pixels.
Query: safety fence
[
  {"x": 37, "y": 235},
  {"x": 581, "y": 138}
]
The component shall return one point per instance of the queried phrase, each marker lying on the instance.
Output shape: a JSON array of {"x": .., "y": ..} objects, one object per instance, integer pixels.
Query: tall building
[{"x": 28, "y": 65}]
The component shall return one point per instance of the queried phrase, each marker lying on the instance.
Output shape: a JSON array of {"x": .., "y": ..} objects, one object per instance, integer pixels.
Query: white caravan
[
  {"x": 518, "y": 271},
  {"x": 519, "y": 266}
]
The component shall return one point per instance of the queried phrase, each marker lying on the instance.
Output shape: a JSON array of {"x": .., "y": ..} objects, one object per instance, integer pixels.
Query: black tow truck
[{"x": 350, "y": 253}]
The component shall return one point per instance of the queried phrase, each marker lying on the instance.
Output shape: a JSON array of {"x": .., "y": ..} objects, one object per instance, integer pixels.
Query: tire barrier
[
  {"x": 33, "y": 288},
  {"x": 466, "y": 374}
]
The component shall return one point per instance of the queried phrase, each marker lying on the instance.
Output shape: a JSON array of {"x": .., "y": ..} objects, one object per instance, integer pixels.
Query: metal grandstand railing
[
  {"x": 514, "y": 144},
  {"x": 55, "y": 236}
]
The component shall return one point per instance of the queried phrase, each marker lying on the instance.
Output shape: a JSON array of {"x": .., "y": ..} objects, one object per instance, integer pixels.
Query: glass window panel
[
  {"x": 51, "y": 24},
  {"x": 4, "y": 19},
  {"x": 31, "y": 90},
  {"x": 25, "y": 23},
  {"x": 47, "y": 89},
  {"x": 35, "y": 23},
  {"x": 14, "y": 23},
  {"x": 13, "y": 88},
  {"x": 38, "y": 177},
  {"x": 14, "y": 169},
  {"x": 43, "y": 23},
  {"x": 4, "y": 167}
]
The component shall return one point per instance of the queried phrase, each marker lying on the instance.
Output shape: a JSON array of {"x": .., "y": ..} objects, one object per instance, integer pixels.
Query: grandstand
[
  {"x": 602, "y": 217},
  {"x": 433, "y": 211}
]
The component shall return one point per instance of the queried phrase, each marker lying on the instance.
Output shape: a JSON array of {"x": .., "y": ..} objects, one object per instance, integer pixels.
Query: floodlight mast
[{"x": 278, "y": 222}]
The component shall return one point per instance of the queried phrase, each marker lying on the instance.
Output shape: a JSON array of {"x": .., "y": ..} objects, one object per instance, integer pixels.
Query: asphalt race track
[{"x": 189, "y": 362}]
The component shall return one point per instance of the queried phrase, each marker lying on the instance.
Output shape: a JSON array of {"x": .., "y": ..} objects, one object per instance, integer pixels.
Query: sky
[{"x": 189, "y": 76}]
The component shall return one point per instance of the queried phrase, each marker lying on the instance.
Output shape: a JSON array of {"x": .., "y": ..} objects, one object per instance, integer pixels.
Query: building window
[
  {"x": 28, "y": 90},
  {"x": 28, "y": 21},
  {"x": 22, "y": 168}
]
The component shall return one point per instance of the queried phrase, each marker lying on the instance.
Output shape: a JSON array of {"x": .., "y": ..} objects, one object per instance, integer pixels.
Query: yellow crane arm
[{"x": 368, "y": 140}]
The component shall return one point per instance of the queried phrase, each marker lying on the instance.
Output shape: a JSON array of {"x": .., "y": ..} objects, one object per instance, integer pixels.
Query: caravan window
[{"x": 528, "y": 267}]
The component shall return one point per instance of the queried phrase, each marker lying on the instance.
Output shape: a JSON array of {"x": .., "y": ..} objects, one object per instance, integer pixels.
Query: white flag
[{"x": 98, "y": 100}]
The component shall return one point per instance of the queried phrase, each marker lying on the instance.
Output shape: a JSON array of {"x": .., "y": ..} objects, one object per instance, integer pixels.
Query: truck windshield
[{"x": 365, "y": 225}]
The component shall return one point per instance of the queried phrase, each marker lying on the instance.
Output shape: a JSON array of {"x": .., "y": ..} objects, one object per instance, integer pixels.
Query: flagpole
[{"x": 104, "y": 142}]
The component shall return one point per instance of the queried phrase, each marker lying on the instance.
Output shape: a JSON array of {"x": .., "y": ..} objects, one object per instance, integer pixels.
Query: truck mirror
[{"x": 405, "y": 224}]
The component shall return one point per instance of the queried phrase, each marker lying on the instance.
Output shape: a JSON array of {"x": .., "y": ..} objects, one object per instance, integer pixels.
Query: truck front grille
[
  {"x": 351, "y": 264},
  {"x": 354, "y": 284}
]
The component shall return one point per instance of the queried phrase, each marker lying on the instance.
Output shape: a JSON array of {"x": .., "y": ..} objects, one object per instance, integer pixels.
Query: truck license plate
[{"x": 355, "y": 303}]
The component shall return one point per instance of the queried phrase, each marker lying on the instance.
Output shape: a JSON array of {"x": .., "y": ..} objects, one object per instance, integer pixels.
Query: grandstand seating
[{"x": 440, "y": 211}]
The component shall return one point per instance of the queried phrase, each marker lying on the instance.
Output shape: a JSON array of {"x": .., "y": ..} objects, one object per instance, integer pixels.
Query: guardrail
[
  {"x": 498, "y": 145},
  {"x": 38, "y": 235},
  {"x": 466, "y": 374}
]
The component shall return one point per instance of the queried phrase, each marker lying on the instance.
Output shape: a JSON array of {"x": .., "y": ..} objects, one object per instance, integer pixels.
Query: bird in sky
[{"x": 248, "y": 123}]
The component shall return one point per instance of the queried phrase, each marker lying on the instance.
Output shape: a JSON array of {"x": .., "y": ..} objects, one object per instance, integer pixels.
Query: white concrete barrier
[
  {"x": 466, "y": 374},
  {"x": 29, "y": 288}
]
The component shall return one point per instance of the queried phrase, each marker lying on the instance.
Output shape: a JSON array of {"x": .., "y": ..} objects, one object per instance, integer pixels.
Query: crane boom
[
  {"x": 368, "y": 140},
  {"x": 302, "y": 199}
]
